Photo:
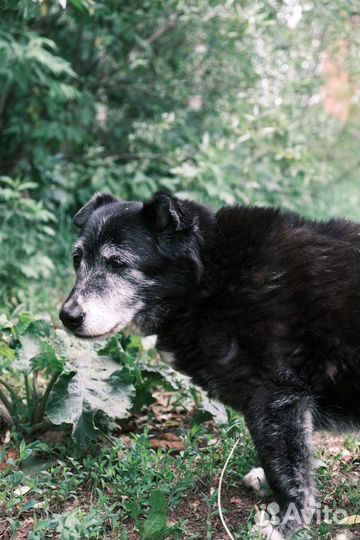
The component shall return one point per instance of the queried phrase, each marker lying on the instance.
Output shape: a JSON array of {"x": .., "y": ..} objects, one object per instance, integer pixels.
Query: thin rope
[{"x": 219, "y": 490}]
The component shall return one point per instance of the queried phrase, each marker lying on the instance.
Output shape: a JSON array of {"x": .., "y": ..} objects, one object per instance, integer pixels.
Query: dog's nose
[{"x": 72, "y": 316}]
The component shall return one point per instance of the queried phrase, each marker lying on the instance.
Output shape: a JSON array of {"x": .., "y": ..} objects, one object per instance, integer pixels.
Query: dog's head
[{"x": 133, "y": 262}]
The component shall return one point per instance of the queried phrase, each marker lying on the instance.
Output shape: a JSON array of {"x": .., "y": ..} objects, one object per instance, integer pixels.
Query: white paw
[
  {"x": 256, "y": 480},
  {"x": 346, "y": 535}
]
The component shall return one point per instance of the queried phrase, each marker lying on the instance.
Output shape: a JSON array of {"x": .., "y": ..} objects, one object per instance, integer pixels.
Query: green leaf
[
  {"x": 117, "y": 347},
  {"x": 92, "y": 384},
  {"x": 55, "y": 64},
  {"x": 30, "y": 348},
  {"x": 212, "y": 407},
  {"x": 158, "y": 502},
  {"x": 30, "y": 342},
  {"x": 85, "y": 432},
  {"x": 155, "y": 526},
  {"x": 47, "y": 359},
  {"x": 4, "y": 322},
  {"x": 24, "y": 322},
  {"x": 38, "y": 328},
  {"x": 32, "y": 503},
  {"x": 6, "y": 351},
  {"x": 63, "y": 404}
]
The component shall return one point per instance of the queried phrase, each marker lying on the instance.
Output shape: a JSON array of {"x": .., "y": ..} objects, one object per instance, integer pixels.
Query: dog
[{"x": 260, "y": 307}]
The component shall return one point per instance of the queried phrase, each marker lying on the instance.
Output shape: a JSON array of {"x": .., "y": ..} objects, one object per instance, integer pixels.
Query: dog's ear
[
  {"x": 100, "y": 199},
  {"x": 166, "y": 213}
]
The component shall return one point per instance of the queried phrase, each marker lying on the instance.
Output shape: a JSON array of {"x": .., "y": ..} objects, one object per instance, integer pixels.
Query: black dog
[{"x": 260, "y": 307}]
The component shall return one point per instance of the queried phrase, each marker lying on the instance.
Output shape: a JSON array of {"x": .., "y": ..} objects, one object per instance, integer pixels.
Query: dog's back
[
  {"x": 287, "y": 290},
  {"x": 292, "y": 288}
]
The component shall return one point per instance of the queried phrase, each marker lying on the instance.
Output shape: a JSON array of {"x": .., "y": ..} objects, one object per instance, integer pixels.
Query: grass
[
  {"x": 50, "y": 489},
  {"x": 105, "y": 493}
]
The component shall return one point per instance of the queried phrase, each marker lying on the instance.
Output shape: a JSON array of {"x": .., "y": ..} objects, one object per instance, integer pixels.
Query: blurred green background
[{"x": 224, "y": 102}]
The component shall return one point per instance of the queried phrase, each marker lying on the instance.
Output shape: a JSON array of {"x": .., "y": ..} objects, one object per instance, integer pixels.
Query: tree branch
[
  {"x": 169, "y": 25},
  {"x": 41, "y": 408},
  {"x": 166, "y": 27},
  {"x": 136, "y": 155}
]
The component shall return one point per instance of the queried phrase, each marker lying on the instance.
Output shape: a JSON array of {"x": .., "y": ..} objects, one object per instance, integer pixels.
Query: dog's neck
[{"x": 167, "y": 312}]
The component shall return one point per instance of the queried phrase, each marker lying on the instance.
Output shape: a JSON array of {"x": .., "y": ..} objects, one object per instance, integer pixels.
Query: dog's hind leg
[{"x": 281, "y": 427}]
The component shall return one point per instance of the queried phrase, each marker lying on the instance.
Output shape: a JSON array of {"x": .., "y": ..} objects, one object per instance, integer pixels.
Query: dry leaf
[
  {"x": 350, "y": 520},
  {"x": 13, "y": 454},
  {"x": 237, "y": 501},
  {"x": 171, "y": 423},
  {"x": 168, "y": 441},
  {"x": 21, "y": 490},
  {"x": 170, "y": 437},
  {"x": 22, "y": 532},
  {"x": 128, "y": 442}
]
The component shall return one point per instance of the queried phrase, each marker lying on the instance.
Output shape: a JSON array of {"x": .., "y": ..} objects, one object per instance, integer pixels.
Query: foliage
[
  {"x": 23, "y": 256},
  {"x": 71, "y": 384},
  {"x": 221, "y": 101}
]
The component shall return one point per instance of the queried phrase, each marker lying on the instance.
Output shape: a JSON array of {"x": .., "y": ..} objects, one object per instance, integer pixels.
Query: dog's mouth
[
  {"x": 129, "y": 328},
  {"x": 117, "y": 328}
]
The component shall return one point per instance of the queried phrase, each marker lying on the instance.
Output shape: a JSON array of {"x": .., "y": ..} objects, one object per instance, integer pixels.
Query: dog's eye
[
  {"x": 115, "y": 263},
  {"x": 76, "y": 259}
]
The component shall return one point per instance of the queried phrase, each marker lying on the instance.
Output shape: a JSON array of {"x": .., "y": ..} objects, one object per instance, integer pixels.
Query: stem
[
  {"x": 34, "y": 388},
  {"x": 45, "y": 425},
  {"x": 40, "y": 410},
  {"x": 27, "y": 389},
  {"x": 10, "y": 390},
  {"x": 41, "y": 426}
]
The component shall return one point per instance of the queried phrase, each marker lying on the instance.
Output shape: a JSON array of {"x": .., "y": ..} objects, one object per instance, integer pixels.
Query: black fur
[{"x": 262, "y": 309}]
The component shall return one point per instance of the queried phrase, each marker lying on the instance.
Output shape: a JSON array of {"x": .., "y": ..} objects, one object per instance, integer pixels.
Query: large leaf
[{"x": 90, "y": 384}]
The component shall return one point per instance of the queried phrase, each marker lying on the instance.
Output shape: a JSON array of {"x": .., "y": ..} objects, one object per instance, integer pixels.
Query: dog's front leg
[{"x": 281, "y": 427}]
